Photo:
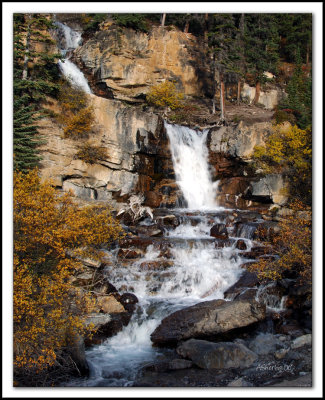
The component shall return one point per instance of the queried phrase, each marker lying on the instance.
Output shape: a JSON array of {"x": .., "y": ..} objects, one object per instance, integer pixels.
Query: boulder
[
  {"x": 265, "y": 343},
  {"x": 221, "y": 355},
  {"x": 246, "y": 280},
  {"x": 129, "y": 301},
  {"x": 219, "y": 231},
  {"x": 109, "y": 305},
  {"x": 241, "y": 244},
  {"x": 301, "y": 341},
  {"x": 208, "y": 318}
]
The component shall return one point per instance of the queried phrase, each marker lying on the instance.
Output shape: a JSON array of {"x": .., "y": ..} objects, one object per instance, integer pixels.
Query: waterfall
[
  {"x": 68, "y": 40},
  {"x": 190, "y": 161},
  {"x": 180, "y": 269}
]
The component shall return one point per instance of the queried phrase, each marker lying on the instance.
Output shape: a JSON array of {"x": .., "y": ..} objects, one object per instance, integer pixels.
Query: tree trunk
[
  {"x": 257, "y": 93},
  {"x": 222, "y": 99},
  {"x": 27, "y": 44},
  {"x": 186, "y": 27},
  {"x": 213, "y": 105},
  {"x": 238, "y": 92},
  {"x": 163, "y": 20}
]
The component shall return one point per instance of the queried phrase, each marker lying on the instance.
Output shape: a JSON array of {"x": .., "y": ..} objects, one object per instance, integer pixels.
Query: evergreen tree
[
  {"x": 299, "y": 91},
  {"x": 35, "y": 66},
  {"x": 222, "y": 41},
  {"x": 25, "y": 136},
  {"x": 295, "y": 30},
  {"x": 261, "y": 47}
]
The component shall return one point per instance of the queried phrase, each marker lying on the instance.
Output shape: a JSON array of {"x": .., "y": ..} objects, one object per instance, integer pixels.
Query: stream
[{"x": 184, "y": 267}]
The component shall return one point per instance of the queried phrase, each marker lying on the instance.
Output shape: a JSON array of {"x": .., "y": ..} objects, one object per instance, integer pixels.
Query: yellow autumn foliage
[
  {"x": 165, "y": 95},
  {"x": 80, "y": 124},
  {"x": 48, "y": 311},
  {"x": 288, "y": 150},
  {"x": 292, "y": 245},
  {"x": 77, "y": 115}
]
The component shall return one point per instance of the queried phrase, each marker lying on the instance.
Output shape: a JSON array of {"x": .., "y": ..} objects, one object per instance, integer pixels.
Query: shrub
[
  {"x": 77, "y": 116},
  {"x": 183, "y": 114},
  {"x": 47, "y": 309},
  {"x": 165, "y": 95},
  {"x": 80, "y": 125},
  {"x": 288, "y": 150},
  {"x": 71, "y": 99},
  {"x": 90, "y": 153},
  {"x": 293, "y": 245},
  {"x": 281, "y": 116}
]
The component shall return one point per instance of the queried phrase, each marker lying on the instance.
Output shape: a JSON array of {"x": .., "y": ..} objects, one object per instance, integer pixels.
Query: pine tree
[
  {"x": 295, "y": 30},
  {"x": 35, "y": 66},
  {"x": 222, "y": 41},
  {"x": 300, "y": 94},
  {"x": 25, "y": 136},
  {"x": 261, "y": 47}
]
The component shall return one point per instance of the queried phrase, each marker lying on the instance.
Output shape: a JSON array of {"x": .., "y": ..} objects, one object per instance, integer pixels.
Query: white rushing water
[
  {"x": 190, "y": 161},
  {"x": 187, "y": 268},
  {"x": 69, "y": 40}
]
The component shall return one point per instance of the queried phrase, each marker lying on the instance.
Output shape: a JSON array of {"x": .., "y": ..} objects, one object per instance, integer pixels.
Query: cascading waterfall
[
  {"x": 190, "y": 160},
  {"x": 70, "y": 40},
  {"x": 194, "y": 270}
]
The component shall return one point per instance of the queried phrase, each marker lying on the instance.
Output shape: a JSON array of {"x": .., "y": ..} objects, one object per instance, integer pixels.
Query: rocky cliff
[
  {"x": 123, "y": 64},
  {"x": 138, "y": 160}
]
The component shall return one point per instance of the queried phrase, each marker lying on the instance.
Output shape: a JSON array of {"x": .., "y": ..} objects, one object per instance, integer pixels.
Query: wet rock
[
  {"x": 265, "y": 344},
  {"x": 157, "y": 265},
  {"x": 220, "y": 243},
  {"x": 146, "y": 231},
  {"x": 221, "y": 355},
  {"x": 109, "y": 305},
  {"x": 245, "y": 229},
  {"x": 271, "y": 295},
  {"x": 219, "y": 231},
  {"x": 247, "y": 279},
  {"x": 248, "y": 294},
  {"x": 207, "y": 318},
  {"x": 167, "y": 220},
  {"x": 256, "y": 252},
  {"x": 107, "y": 325},
  {"x": 301, "y": 341},
  {"x": 129, "y": 301},
  {"x": 130, "y": 253},
  {"x": 241, "y": 244}
]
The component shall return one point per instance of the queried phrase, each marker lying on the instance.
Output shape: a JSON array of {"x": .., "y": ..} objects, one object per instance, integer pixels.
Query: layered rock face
[
  {"x": 138, "y": 160},
  {"x": 230, "y": 155},
  {"x": 123, "y": 64},
  {"x": 136, "y": 147}
]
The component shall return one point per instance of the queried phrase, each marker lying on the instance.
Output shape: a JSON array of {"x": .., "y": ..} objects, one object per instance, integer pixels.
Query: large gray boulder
[
  {"x": 217, "y": 355},
  {"x": 206, "y": 319}
]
